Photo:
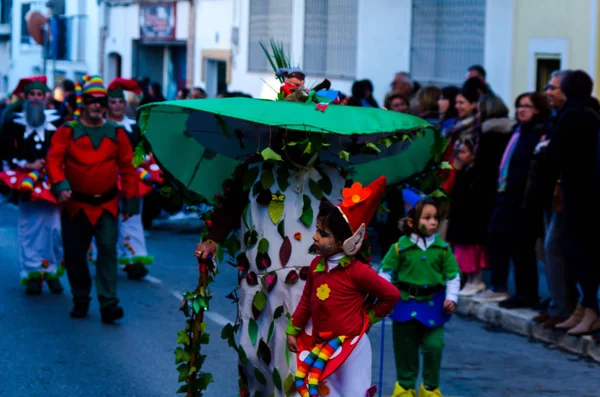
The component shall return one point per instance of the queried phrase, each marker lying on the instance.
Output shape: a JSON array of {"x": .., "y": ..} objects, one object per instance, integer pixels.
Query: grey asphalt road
[{"x": 45, "y": 353}]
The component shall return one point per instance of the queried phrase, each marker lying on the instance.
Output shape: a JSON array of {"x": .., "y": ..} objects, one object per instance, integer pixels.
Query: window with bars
[
  {"x": 330, "y": 36},
  {"x": 447, "y": 37},
  {"x": 269, "y": 19}
]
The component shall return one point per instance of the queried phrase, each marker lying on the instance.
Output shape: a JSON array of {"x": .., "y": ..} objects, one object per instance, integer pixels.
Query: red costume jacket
[
  {"x": 336, "y": 299},
  {"x": 89, "y": 160}
]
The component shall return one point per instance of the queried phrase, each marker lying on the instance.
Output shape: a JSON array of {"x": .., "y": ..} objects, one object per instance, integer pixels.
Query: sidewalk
[{"x": 521, "y": 322}]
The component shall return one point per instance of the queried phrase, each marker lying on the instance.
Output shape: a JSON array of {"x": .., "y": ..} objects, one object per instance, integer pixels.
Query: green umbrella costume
[{"x": 265, "y": 165}]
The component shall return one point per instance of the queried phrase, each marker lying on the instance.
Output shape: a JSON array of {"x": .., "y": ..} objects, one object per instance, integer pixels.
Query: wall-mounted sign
[{"x": 157, "y": 21}]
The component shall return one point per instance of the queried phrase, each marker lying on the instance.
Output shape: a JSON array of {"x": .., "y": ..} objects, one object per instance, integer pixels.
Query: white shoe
[
  {"x": 468, "y": 290},
  {"x": 479, "y": 287},
  {"x": 491, "y": 296}
]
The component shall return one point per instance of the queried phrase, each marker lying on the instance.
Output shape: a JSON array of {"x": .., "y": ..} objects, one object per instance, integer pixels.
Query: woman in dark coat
[{"x": 514, "y": 228}]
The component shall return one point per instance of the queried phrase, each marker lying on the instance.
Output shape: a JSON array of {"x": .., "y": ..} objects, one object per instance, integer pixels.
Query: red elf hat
[
  {"x": 25, "y": 81},
  {"x": 358, "y": 207},
  {"x": 118, "y": 85}
]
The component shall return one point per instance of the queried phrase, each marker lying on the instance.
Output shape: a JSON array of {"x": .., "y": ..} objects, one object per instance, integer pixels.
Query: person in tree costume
[
  {"x": 425, "y": 271},
  {"x": 277, "y": 203},
  {"x": 85, "y": 160},
  {"x": 26, "y": 140},
  {"x": 328, "y": 327},
  {"x": 131, "y": 248}
]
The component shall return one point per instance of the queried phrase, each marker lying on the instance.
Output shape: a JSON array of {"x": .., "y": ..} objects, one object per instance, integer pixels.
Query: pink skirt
[{"x": 471, "y": 258}]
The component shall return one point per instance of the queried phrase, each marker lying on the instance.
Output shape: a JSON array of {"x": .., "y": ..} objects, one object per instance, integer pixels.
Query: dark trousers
[
  {"x": 582, "y": 254},
  {"x": 502, "y": 249},
  {"x": 151, "y": 208},
  {"x": 77, "y": 233}
]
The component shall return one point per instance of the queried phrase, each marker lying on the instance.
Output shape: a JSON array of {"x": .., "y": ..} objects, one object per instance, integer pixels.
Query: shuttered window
[
  {"x": 330, "y": 36},
  {"x": 447, "y": 37},
  {"x": 269, "y": 19}
]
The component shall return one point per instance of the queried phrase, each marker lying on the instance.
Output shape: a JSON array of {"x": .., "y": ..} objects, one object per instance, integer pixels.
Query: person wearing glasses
[
  {"x": 514, "y": 228},
  {"x": 85, "y": 160}
]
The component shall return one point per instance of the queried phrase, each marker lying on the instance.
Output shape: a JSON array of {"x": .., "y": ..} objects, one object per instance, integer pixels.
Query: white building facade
[{"x": 75, "y": 54}]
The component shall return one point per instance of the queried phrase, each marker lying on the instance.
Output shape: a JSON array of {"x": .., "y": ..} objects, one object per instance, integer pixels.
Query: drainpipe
[
  {"x": 191, "y": 46},
  {"x": 104, "y": 22}
]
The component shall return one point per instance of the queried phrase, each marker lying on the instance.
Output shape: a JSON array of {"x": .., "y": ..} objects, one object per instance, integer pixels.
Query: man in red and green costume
[{"x": 85, "y": 160}]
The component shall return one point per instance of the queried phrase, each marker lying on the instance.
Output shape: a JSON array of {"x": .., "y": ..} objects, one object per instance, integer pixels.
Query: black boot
[
  {"x": 136, "y": 271},
  {"x": 34, "y": 286},
  {"x": 55, "y": 286},
  {"x": 80, "y": 309},
  {"x": 111, "y": 313}
]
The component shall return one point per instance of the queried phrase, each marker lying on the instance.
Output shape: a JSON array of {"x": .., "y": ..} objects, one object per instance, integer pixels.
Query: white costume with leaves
[{"x": 287, "y": 224}]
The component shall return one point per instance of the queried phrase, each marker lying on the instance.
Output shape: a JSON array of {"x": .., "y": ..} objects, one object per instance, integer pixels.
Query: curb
[{"x": 520, "y": 321}]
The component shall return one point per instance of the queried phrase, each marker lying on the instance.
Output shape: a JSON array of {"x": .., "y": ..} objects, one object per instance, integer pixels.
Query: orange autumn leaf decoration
[
  {"x": 323, "y": 389},
  {"x": 355, "y": 194}
]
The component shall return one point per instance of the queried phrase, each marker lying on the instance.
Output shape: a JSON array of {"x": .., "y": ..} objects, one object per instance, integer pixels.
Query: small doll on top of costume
[
  {"x": 293, "y": 81},
  {"x": 328, "y": 328},
  {"x": 425, "y": 271}
]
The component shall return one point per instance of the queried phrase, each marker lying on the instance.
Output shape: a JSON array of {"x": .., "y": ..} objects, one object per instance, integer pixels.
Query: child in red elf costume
[{"x": 328, "y": 328}]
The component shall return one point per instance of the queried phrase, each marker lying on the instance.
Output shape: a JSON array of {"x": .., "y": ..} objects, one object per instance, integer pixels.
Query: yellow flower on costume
[
  {"x": 323, "y": 389},
  {"x": 323, "y": 292}
]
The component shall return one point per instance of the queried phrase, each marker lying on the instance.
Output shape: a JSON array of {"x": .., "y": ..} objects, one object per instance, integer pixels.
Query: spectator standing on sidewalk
[
  {"x": 514, "y": 229},
  {"x": 447, "y": 108},
  {"x": 544, "y": 194},
  {"x": 427, "y": 103},
  {"x": 574, "y": 157}
]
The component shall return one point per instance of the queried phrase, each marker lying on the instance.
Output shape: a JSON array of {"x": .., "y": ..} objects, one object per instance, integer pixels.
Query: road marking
[
  {"x": 152, "y": 280},
  {"x": 213, "y": 316}
]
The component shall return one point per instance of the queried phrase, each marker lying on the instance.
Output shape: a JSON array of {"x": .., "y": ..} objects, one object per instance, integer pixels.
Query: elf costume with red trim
[
  {"x": 331, "y": 319},
  {"x": 88, "y": 161}
]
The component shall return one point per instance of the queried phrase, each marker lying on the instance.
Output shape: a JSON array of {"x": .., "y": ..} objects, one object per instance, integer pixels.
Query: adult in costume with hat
[
  {"x": 86, "y": 159},
  {"x": 328, "y": 327},
  {"x": 26, "y": 140},
  {"x": 131, "y": 248}
]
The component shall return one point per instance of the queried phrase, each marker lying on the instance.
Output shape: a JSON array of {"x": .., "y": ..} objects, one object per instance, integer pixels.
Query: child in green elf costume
[{"x": 425, "y": 271}]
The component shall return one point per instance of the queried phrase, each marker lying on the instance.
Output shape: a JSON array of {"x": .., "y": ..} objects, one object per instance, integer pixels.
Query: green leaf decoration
[
  {"x": 250, "y": 238},
  {"x": 287, "y": 356},
  {"x": 183, "y": 338},
  {"x": 438, "y": 194},
  {"x": 253, "y": 331},
  {"x": 267, "y": 179},
  {"x": 283, "y": 178},
  {"x": 374, "y": 147},
  {"x": 139, "y": 154},
  {"x": 315, "y": 189},
  {"x": 281, "y": 228},
  {"x": 263, "y": 261},
  {"x": 325, "y": 183},
  {"x": 269, "y": 281},
  {"x": 183, "y": 370},
  {"x": 278, "y": 312},
  {"x": 344, "y": 155},
  {"x": 220, "y": 254},
  {"x": 277, "y": 379},
  {"x": 307, "y": 212},
  {"x": 285, "y": 251},
  {"x": 242, "y": 356},
  {"x": 271, "y": 331},
  {"x": 196, "y": 306},
  {"x": 249, "y": 178},
  {"x": 444, "y": 165},
  {"x": 269, "y": 155},
  {"x": 258, "y": 304},
  {"x": 203, "y": 381},
  {"x": 227, "y": 331},
  {"x": 308, "y": 149},
  {"x": 181, "y": 356},
  {"x": 245, "y": 216},
  {"x": 289, "y": 384},
  {"x": 259, "y": 376},
  {"x": 264, "y": 352},
  {"x": 263, "y": 246},
  {"x": 232, "y": 245},
  {"x": 276, "y": 207}
]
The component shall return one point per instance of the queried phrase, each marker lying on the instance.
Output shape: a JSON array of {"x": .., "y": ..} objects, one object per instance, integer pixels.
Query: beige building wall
[{"x": 565, "y": 28}]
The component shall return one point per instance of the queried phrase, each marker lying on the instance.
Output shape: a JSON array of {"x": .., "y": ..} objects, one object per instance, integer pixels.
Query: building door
[
  {"x": 148, "y": 61},
  {"x": 114, "y": 66},
  {"x": 216, "y": 77}
]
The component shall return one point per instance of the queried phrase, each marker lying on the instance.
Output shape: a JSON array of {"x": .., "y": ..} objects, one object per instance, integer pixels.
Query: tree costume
[
  {"x": 88, "y": 162},
  {"x": 27, "y": 137},
  {"x": 295, "y": 154},
  {"x": 421, "y": 268},
  {"x": 335, "y": 353}
]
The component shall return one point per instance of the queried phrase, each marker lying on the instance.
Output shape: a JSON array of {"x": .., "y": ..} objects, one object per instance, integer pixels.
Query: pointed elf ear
[{"x": 353, "y": 244}]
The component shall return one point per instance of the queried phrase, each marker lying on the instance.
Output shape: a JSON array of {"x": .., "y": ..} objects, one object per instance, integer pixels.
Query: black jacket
[
  {"x": 511, "y": 216},
  {"x": 573, "y": 160}
]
